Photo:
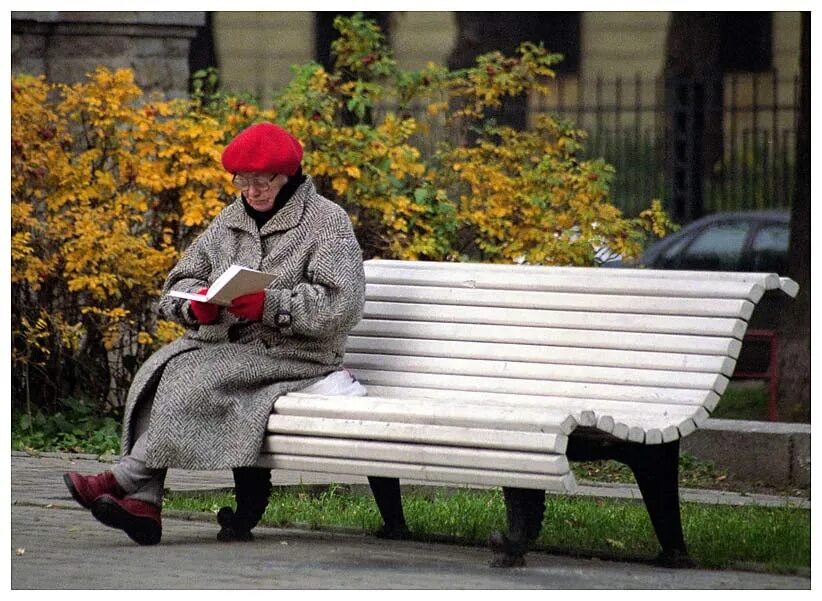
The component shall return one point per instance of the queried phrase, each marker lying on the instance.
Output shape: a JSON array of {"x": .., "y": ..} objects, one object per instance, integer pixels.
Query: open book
[{"x": 235, "y": 281}]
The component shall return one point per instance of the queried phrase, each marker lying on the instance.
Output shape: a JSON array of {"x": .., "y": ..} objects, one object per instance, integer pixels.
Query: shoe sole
[
  {"x": 75, "y": 494},
  {"x": 142, "y": 530}
]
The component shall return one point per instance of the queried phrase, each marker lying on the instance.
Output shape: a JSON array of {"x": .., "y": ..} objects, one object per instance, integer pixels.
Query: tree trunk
[
  {"x": 202, "y": 53},
  {"x": 325, "y": 34},
  {"x": 482, "y": 32},
  {"x": 794, "y": 397},
  {"x": 693, "y": 101}
]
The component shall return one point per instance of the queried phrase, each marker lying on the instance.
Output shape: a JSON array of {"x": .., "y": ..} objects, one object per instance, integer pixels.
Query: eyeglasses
[{"x": 244, "y": 183}]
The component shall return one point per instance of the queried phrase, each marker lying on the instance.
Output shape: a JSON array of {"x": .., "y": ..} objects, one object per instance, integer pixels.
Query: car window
[
  {"x": 718, "y": 247},
  {"x": 769, "y": 249},
  {"x": 670, "y": 254}
]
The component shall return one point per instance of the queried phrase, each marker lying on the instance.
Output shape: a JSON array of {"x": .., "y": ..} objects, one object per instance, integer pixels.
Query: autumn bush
[{"x": 109, "y": 184}]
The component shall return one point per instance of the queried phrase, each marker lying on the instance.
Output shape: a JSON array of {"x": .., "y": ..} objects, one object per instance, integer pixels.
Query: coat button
[
  {"x": 234, "y": 332},
  {"x": 283, "y": 319}
]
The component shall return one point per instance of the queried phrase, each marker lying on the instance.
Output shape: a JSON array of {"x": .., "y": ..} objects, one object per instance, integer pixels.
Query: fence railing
[{"x": 625, "y": 118}]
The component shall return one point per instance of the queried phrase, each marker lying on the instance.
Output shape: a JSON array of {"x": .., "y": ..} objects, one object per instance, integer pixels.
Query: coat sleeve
[
  {"x": 190, "y": 274},
  {"x": 332, "y": 301}
]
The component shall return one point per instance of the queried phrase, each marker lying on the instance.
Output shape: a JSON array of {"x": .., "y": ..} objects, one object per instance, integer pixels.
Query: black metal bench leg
[
  {"x": 252, "y": 488},
  {"x": 524, "y": 511},
  {"x": 387, "y": 494},
  {"x": 656, "y": 469}
]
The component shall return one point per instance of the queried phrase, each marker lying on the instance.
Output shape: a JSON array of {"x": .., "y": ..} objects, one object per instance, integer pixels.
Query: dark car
[{"x": 744, "y": 241}]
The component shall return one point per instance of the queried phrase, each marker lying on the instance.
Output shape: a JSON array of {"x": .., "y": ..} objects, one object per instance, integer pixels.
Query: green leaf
[{"x": 421, "y": 195}]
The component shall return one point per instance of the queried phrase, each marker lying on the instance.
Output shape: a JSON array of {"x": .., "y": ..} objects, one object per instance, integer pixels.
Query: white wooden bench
[{"x": 479, "y": 374}]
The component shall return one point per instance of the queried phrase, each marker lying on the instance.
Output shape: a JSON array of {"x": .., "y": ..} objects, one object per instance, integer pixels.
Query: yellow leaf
[{"x": 340, "y": 185}]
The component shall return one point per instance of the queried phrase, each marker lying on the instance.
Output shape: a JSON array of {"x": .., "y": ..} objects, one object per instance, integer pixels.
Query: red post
[{"x": 771, "y": 374}]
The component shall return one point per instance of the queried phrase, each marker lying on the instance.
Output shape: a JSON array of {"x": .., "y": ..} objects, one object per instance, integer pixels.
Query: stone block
[
  {"x": 776, "y": 454},
  {"x": 69, "y": 46},
  {"x": 801, "y": 460}
]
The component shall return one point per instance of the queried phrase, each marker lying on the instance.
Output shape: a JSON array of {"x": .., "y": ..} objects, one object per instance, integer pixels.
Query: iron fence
[
  {"x": 626, "y": 121},
  {"x": 750, "y": 122}
]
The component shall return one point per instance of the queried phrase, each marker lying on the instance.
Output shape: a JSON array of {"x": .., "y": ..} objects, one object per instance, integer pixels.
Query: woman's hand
[
  {"x": 205, "y": 313},
  {"x": 249, "y": 306}
]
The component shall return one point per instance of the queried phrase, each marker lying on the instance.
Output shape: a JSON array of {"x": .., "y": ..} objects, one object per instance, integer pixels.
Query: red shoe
[
  {"x": 85, "y": 489},
  {"x": 140, "y": 520}
]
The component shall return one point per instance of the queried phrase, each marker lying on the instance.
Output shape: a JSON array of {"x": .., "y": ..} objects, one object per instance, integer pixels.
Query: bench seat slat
[
  {"x": 396, "y": 452},
  {"x": 422, "y": 473},
  {"x": 789, "y": 287},
  {"x": 652, "y": 394},
  {"x": 540, "y": 354},
  {"x": 647, "y": 415},
  {"x": 436, "y": 412},
  {"x": 623, "y": 322},
  {"x": 377, "y": 429},
  {"x": 430, "y": 407},
  {"x": 588, "y": 282},
  {"x": 576, "y": 338},
  {"x": 598, "y": 303},
  {"x": 538, "y": 371}
]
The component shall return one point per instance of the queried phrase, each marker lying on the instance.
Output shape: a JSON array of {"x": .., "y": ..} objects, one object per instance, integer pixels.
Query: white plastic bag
[{"x": 338, "y": 383}]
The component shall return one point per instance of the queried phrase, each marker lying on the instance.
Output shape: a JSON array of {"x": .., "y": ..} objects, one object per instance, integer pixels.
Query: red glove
[
  {"x": 204, "y": 312},
  {"x": 249, "y": 306}
]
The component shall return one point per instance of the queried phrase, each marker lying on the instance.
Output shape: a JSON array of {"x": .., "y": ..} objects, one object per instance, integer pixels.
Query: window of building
[{"x": 746, "y": 41}]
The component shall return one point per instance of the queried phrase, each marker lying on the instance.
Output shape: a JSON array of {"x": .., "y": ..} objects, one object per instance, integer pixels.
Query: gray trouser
[{"x": 140, "y": 482}]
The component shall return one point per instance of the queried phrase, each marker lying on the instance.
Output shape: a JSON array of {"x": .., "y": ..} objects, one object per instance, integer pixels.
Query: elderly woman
[{"x": 202, "y": 402}]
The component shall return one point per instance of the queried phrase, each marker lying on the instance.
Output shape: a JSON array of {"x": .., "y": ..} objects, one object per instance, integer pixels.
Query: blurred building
[
  {"x": 737, "y": 145},
  {"x": 256, "y": 49}
]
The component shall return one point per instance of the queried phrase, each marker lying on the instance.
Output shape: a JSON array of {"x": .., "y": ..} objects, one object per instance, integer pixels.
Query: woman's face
[{"x": 260, "y": 189}]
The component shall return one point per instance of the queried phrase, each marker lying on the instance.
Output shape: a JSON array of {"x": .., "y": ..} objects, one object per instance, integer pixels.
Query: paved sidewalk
[{"x": 56, "y": 544}]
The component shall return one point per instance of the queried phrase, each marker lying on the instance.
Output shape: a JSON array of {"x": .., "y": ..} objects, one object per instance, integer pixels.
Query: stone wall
[
  {"x": 65, "y": 46},
  {"x": 775, "y": 454}
]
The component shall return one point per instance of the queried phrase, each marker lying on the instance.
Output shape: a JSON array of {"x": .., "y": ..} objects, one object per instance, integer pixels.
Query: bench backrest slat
[
  {"x": 576, "y": 338},
  {"x": 769, "y": 281},
  {"x": 515, "y": 386},
  {"x": 623, "y": 322},
  {"x": 560, "y": 355},
  {"x": 610, "y": 303},
  {"x": 587, "y": 282},
  {"x": 552, "y": 374}
]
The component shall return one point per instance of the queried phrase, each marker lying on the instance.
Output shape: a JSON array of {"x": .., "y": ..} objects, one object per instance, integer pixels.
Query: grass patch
[
  {"x": 693, "y": 472},
  {"x": 746, "y": 400},
  {"x": 719, "y": 537}
]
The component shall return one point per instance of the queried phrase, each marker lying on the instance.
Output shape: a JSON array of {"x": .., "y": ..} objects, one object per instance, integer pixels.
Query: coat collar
[{"x": 286, "y": 218}]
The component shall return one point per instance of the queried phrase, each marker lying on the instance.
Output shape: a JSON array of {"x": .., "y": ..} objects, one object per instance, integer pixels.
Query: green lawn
[{"x": 719, "y": 537}]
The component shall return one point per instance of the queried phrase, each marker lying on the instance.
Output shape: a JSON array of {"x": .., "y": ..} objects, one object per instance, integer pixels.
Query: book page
[{"x": 235, "y": 281}]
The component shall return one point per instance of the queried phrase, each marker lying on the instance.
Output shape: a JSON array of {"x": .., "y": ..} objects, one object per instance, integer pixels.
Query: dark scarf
[{"x": 285, "y": 193}]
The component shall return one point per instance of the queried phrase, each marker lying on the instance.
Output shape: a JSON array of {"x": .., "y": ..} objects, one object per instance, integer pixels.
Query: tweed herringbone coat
[{"x": 212, "y": 389}]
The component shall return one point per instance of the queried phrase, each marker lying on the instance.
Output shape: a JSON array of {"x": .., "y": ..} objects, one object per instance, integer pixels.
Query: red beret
[{"x": 263, "y": 148}]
